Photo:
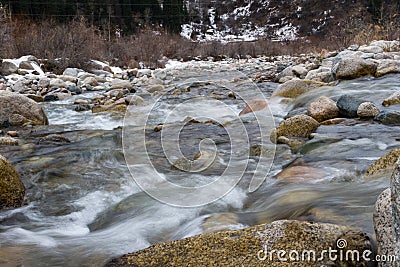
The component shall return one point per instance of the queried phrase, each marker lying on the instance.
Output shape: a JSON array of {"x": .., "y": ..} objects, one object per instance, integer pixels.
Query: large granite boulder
[
  {"x": 18, "y": 109},
  {"x": 256, "y": 246}
]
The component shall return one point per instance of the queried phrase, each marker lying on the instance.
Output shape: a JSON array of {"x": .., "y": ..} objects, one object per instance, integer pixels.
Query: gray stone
[
  {"x": 19, "y": 109},
  {"x": 371, "y": 49},
  {"x": 8, "y": 68},
  {"x": 294, "y": 88},
  {"x": 71, "y": 72},
  {"x": 57, "y": 83},
  {"x": 354, "y": 67},
  {"x": 389, "y": 117},
  {"x": 383, "y": 225},
  {"x": 120, "y": 84},
  {"x": 386, "y": 66},
  {"x": 348, "y": 105},
  {"x": 298, "y": 126},
  {"x": 155, "y": 88},
  {"x": 395, "y": 197},
  {"x": 320, "y": 75}
]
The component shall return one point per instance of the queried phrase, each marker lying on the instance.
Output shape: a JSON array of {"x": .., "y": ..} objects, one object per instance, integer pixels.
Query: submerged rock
[
  {"x": 219, "y": 222},
  {"x": 19, "y": 109},
  {"x": 12, "y": 190},
  {"x": 300, "y": 174},
  {"x": 348, "y": 105},
  {"x": 297, "y": 126},
  {"x": 294, "y": 88},
  {"x": 8, "y": 141},
  {"x": 389, "y": 117},
  {"x": 254, "y": 105},
  {"x": 323, "y": 108},
  {"x": 250, "y": 247}
]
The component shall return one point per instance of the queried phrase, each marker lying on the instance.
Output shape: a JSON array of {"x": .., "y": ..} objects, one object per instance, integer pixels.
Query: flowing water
[{"x": 83, "y": 206}]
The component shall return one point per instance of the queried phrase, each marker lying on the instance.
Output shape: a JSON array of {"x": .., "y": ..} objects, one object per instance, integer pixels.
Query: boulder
[
  {"x": 323, "y": 108},
  {"x": 57, "y": 83},
  {"x": 155, "y": 88},
  {"x": 120, "y": 84},
  {"x": 320, "y": 75},
  {"x": 91, "y": 81},
  {"x": 251, "y": 247},
  {"x": 8, "y": 68},
  {"x": 26, "y": 65},
  {"x": 8, "y": 141},
  {"x": 297, "y": 126},
  {"x": 294, "y": 88},
  {"x": 386, "y": 66},
  {"x": 133, "y": 100},
  {"x": 395, "y": 199},
  {"x": 392, "y": 100},
  {"x": 384, "y": 164},
  {"x": 371, "y": 49},
  {"x": 388, "y": 117},
  {"x": 354, "y": 67},
  {"x": 367, "y": 110},
  {"x": 19, "y": 109},
  {"x": 254, "y": 105},
  {"x": 109, "y": 108},
  {"x": 71, "y": 72},
  {"x": 348, "y": 105},
  {"x": 12, "y": 190},
  {"x": 387, "y": 46},
  {"x": 383, "y": 225}
]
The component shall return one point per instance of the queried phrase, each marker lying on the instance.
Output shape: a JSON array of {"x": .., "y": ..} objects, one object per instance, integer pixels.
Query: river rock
[
  {"x": 388, "y": 46},
  {"x": 50, "y": 98},
  {"x": 374, "y": 49},
  {"x": 8, "y": 68},
  {"x": 44, "y": 82},
  {"x": 386, "y": 66},
  {"x": 57, "y": 83},
  {"x": 250, "y": 247},
  {"x": 8, "y": 141},
  {"x": 389, "y": 117},
  {"x": 11, "y": 187},
  {"x": 67, "y": 78},
  {"x": 354, "y": 67},
  {"x": 320, "y": 75},
  {"x": 294, "y": 88},
  {"x": 155, "y": 88},
  {"x": 36, "y": 98},
  {"x": 383, "y": 225},
  {"x": 367, "y": 110},
  {"x": 395, "y": 201},
  {"x": 392, "y": 100},
  {"x": 300, "y": 174},
  {"x": 71, "y": 72},
  {"x": 254, "y": 105},
  {"x": 385, "y": 163},
  {"x": 120, "y": 84},
  {"x": 109, "y": 108},
  {"x": 19, "y": 109},
  {"x": 220, "y": 222},
  {"x": 297, "y": 126},
  {"x": 348, "y": 105},
  {"x": 91, "y": 81},
  {"x": 133, "y": 100},
  {"x": 323, "y": 109}
]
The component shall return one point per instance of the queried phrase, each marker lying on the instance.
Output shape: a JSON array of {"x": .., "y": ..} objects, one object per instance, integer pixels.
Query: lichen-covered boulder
[
  {"x": 297, "y": 126},
  {"x": 12, "y": 190},
  {"x": 294, "y": 88},
  {"x": 368, "y": 110},
  {"x": 255, "y": 246},
  {"x": 323, "y": 108},
  {"x": 385, "y": 164},
  {"x": 18, "y": 109},
  {"x": 354, "y": 67}
]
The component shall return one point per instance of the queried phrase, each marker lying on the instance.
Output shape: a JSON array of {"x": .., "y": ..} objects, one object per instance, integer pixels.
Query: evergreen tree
[{"x": 175, "y": 14}]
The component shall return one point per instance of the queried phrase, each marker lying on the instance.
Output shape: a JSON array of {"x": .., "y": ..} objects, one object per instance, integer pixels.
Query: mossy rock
[
  {"x": 385, "y": 164},
  {"x": 246, "y": 247},
  {"x": 300, "y": 126},
  {"x": 294, "y": 88},
  {"x": 12, "y": 190}
]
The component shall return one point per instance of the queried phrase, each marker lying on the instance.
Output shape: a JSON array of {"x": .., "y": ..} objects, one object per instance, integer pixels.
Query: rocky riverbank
[{"x": 312, "y": 113}]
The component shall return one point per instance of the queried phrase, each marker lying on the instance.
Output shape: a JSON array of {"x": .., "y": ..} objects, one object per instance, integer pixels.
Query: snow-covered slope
[{"x": 275, "y": 19}]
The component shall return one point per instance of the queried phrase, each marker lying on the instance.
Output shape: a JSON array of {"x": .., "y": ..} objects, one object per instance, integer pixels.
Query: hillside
[{"x": 277, "y": 19}]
